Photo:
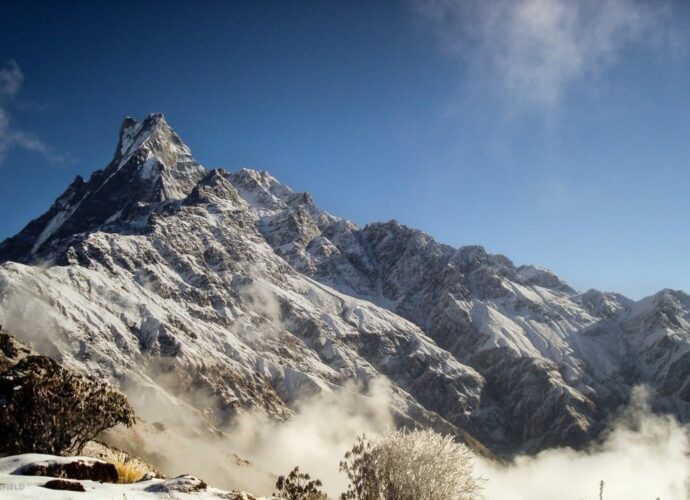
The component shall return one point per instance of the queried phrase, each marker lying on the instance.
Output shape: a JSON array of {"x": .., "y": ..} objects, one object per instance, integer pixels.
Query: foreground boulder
[
  {"x": 61, "y": 484},
  {"x": 181, "y": 484},
  {"x": 94, "y": 470},
  {"x": 45, "y": 408}
]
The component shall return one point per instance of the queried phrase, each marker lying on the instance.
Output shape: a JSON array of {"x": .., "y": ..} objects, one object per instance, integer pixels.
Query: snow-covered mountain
[{"x": 160, "y": 273}]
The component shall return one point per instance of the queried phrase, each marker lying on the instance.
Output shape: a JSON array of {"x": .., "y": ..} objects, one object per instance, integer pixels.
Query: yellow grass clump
[{"x": 128, "y": 472}]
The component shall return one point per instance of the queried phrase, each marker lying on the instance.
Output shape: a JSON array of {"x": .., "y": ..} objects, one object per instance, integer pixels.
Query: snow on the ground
[{"x": 13, "y": 485}]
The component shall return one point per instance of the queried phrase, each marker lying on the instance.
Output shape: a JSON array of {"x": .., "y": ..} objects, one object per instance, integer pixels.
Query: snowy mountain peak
[
  {"x": 163, "y": 152},
  {"x": 133, "y": 131},
  {"x": 151, "y": 165},
  {"x": 151, "y": 134},
  {"x": 215, "y": 188},
  {"x": 251, "y": 292},
  {"x": 603, "y": 304},
  {"x": 260, "y": 188},
  {"x": 536, "y": 275}
]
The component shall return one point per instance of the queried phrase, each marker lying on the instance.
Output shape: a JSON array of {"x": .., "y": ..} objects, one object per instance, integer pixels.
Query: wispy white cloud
[
  {"x": 11, "y": 78},
  {"x": 535, "y": 50}
]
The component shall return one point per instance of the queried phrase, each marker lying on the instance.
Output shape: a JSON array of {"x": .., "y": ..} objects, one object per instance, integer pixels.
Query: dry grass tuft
[{"x": 128, "y": 472}]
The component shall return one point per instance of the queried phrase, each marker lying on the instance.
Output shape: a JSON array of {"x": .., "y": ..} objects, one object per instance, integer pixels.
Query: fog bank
[{"x": 643, "y": 456}]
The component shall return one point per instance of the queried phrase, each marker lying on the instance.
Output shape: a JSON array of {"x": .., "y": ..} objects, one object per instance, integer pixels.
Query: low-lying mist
[
  {"x": 315, "y": 438},
  {"x": 643, "y": 456}
]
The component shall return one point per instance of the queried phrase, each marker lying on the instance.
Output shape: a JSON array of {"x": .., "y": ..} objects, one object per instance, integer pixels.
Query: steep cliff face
[{"x": 159, "y": 272}]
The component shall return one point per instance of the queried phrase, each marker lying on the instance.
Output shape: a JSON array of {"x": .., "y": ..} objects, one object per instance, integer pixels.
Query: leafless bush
[
  {"x": 416, "y": 465},
  {"x": 299, "y": 486}
]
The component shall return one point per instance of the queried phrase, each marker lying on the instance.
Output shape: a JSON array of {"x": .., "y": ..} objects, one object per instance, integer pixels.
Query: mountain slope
[{"x": 158, "y": 273}]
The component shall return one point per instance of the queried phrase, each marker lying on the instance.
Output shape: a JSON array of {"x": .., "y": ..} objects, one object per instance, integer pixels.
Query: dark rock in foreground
[{"x": 64, "y": 485}]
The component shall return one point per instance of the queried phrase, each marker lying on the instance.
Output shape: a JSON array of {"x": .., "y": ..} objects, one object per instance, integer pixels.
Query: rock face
[{"x": 160, "y": 273}]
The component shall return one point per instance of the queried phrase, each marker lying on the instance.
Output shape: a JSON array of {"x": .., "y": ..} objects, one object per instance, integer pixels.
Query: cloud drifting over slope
[
  {"x": 316, "y": 438},
  {"x": 535, "y": 50}
]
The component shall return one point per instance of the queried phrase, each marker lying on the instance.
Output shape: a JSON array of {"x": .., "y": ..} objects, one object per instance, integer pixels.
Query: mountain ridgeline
[{"x": 190, "y": 281}]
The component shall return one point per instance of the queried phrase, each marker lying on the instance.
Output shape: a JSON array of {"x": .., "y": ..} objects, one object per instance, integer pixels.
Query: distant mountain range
[{"x": 159, "y": 271}]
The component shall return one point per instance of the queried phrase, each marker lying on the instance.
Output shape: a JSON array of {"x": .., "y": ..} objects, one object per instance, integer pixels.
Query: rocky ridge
[{"x": 159, "y": 274}]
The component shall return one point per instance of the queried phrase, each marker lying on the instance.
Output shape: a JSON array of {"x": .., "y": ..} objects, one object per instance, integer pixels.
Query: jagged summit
[
  {"x": 158, "y": 155},
  {"x": 133, "y": 131},
  {"x": 151, "y": 165}
]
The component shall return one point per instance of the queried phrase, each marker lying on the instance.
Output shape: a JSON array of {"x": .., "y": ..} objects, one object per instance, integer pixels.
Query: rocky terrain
[{"x": 226, "y": 292}]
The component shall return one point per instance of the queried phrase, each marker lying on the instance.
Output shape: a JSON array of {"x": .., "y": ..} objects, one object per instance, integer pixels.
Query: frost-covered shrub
[
  {"x": 404, "y": 465},
  {"x": 299, "y": 486},
  {"x": 45, "y": 408}
]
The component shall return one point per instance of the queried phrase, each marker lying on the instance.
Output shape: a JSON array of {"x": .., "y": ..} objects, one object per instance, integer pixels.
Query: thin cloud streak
[
  {"x": 534, "y": 51},
  {"x": 11, "y": 79}
]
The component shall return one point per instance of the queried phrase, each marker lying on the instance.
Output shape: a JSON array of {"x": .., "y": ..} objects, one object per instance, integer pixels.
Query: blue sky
[{"x": 555, "y": 132}]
